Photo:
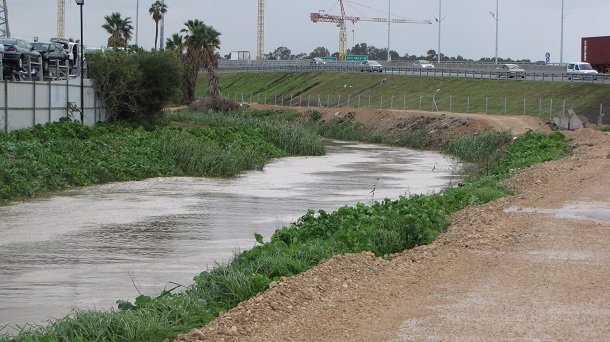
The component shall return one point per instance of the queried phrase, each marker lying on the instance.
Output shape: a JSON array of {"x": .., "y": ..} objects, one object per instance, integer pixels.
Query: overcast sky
[{"x": 527, "y": 28}]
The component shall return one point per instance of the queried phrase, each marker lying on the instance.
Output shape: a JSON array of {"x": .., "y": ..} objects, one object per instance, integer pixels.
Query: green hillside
[{"x": 416, "y": 93}]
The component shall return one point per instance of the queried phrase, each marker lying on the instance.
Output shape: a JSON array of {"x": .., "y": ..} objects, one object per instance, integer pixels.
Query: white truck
[{"x": 580, "y": 70}]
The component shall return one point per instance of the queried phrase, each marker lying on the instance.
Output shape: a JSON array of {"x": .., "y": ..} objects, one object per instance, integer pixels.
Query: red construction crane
[{"x": 340, "y": 21}]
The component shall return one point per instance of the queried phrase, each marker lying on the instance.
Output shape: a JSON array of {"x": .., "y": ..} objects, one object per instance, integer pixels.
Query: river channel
[{"x": 91, "y": 246}]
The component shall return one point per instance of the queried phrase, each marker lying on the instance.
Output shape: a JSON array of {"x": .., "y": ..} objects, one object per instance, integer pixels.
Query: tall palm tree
[
  {"x": 157, "y": 10},
  {"x": 119, "y": 28},
  {"x": 201, "y": 42}
]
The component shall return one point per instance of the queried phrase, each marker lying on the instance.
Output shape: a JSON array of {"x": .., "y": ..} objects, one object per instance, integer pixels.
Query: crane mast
[
  {"x": 342, "y": 19},
  {"x": 260, "y": 46},
  {"x": 61, "y": 18},
  {"x": 4, "y": 30}
]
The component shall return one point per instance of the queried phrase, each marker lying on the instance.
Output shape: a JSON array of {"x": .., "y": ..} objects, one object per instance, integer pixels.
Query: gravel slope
[{"x": 510, "y": 270}]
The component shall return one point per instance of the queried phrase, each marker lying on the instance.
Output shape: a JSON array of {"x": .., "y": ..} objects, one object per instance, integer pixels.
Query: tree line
[{"x": 373, "y": 53}]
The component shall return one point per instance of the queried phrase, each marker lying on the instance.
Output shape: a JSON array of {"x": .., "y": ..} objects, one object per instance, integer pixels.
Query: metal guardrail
[{"x": 343, "y": 66}]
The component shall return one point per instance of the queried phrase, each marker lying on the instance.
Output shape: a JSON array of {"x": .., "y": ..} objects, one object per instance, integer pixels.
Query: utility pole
[
  {"x": 439, "y": 29},
  {"x": 561, "y": 47}
]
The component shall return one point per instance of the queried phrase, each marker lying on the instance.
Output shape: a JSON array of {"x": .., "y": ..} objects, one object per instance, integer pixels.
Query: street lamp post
[
  {"x": 440, "y": 19},
  {"x": 82, "y": 52},
  {"x": 389, "y": 21},
  {"x": 496, "y": 18}
]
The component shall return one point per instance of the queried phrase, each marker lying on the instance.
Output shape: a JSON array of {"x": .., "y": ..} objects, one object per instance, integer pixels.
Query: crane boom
[
  {"x": 4, "y": 30},
  {"x": 342, "y": 19},
  {"x": 61, "y": 18},
  {"x": 260, "y": 46}
]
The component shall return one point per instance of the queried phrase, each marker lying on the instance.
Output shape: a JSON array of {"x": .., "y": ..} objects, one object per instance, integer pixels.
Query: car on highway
[
  {"x": 16, "y": 52},
  {"x": 317, "y": 61},
  {"x": 510, "y": 71},
  {"x": 580, "y": 70},
  {"x": 423, "y": 64},
  {"x": 371, "y": 66},
  {"x": 51, "y": 54}
]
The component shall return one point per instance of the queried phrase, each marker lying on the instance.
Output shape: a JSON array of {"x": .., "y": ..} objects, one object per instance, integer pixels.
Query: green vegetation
[
  {"x": 62, "y": 155},
  {"x": 415, "y": 93},
  {"x": 136, "y": 86},
  {"x": 384, "y": 227}
]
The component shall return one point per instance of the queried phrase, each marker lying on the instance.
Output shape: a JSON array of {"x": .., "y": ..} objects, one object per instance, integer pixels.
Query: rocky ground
[{"x": 531, "y": 267}]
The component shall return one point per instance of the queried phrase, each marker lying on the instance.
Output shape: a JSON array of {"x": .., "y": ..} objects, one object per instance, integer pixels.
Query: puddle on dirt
[{"x": 595, "y": 211}]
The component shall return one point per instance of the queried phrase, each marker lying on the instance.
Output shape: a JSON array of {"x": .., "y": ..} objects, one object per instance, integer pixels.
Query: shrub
[{"x": 136, "y": 86}]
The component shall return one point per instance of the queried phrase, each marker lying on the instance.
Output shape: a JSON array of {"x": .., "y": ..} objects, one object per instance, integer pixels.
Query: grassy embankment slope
[{"x": 450, "y": 94}]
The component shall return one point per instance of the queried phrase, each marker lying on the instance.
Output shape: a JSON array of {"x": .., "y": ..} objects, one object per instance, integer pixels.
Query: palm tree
[
  {"x": 176, "y": 44},
  {"x": 157, "y": 10},
  {"x": 201, "y": 41},
  {"x": 119, "y": 28}
]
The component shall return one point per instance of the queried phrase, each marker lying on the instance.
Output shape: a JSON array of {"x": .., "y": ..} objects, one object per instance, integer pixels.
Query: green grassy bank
[
  {"x": 383, "y": 227},
  {"x": 453, "y": 94},
  {"x": 63, "y": 155}
]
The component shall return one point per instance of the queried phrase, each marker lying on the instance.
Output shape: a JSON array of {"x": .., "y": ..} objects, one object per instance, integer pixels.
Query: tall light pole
[
  {"x": 81, "y": 3},
  {"x": 137, "y": 19},
  {"x": 496, "y": 17},
  {"x": 162, "y": 33},
  {"x": 440, "y": 19},
  {"x": 389, "y": 21},
  {"x": 561, "y": 46}
]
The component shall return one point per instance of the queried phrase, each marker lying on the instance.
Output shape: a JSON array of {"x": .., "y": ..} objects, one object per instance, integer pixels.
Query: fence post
[
  {"x": 468, "y": 105},
  {"x": 348, "y": 99},
  {"x": 381, "y": 102},
  {"x": 420, "y": 99},
  {"x": 328, "y": 101},
  {"x": 308, "y": 100},
  {"x": 551, "y": 110},
  {"x": 358, "y": 101},
  {"x": 369, "y": 101},
  {"x": 540, "y": 108},
  {"x": 504, "y": 104},
  {"x": 450, "y": 102},
  {"x": 392, "y": 103},
  {"x": 601, "y": 113},
  {"x": 339, "y": 101},
  {"x": 6, "y": 106},
  {"x": 404, "y": 102},
  {"x": 524, "y": 104}
]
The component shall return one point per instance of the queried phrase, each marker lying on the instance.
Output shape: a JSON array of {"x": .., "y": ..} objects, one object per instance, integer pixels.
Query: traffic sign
[{"x": 356, "y": 58}]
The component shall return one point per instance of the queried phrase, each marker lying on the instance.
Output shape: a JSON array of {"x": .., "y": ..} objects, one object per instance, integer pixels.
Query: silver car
[
  {"x": 371, "y": 66},
  {"x": 510, "y": 71}
]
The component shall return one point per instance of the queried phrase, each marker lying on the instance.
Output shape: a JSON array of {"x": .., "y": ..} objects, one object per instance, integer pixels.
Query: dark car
[
  {"x": 51, "y": 52},
  {"x": 16, "y": 52}
]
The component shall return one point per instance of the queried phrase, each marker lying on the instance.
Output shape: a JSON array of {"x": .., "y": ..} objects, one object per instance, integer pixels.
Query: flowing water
[{"x": 89, "y": 247}]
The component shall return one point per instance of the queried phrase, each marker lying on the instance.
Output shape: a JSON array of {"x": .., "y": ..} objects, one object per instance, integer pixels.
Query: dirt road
[{"x": 531, "y": 267}]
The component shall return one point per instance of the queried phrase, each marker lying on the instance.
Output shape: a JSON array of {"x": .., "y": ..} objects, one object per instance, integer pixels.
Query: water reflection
[{"x": 89, "y": 247}]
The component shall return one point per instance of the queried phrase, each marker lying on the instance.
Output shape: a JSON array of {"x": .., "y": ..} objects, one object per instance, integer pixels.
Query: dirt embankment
[{"x": 531, "y": 267}]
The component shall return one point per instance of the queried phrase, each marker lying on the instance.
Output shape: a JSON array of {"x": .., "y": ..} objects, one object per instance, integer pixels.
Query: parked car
[
  {"x": 317, "y": 61},
  {"x": 16, "y": 52},
  {"x": 371, "y": 66},
  {"x": 510, "y": 71},
  {"x": 423, "y": 64},
  {"x": 72, "y": 48},
  {"x": 51, "y": 52},
  {"x": 581, "y": 70}
]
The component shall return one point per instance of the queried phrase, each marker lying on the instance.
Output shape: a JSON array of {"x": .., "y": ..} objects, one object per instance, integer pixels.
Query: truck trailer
[{"x": 596, "y": 51}]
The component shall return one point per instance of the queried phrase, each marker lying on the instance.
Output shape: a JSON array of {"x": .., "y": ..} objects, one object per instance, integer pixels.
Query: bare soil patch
[{"x": 509, "y": 270}]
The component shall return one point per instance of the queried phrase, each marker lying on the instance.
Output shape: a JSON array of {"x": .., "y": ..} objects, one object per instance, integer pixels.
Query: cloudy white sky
[{"x": 527, "y": 28}]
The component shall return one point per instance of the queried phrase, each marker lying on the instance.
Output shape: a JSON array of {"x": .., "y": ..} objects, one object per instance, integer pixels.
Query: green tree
[
  {"x": 320, "y": 51},
  {"x": 157, "y": 10},
  {"x": 119, "y": 28},
  {"x": 201, "y": 42}
]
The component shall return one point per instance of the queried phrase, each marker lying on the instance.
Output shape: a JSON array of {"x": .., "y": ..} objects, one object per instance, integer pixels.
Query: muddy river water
[{"x": 89, "y": 247}]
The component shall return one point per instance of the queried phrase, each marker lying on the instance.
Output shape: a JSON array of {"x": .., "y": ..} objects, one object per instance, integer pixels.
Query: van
[{"x": 580, "y": 70}]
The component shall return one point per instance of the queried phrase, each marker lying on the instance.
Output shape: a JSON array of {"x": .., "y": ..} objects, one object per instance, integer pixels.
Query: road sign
[
  {"x": 356, "y": 58},
  {"x": 329, "y": 58}
]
